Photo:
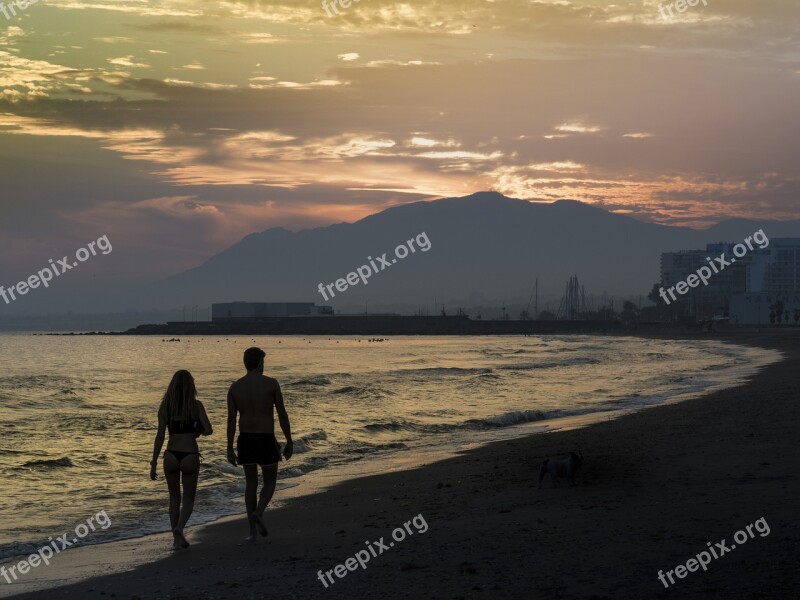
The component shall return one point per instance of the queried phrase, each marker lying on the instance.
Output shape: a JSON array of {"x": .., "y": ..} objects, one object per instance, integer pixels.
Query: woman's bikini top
[{"x": 184, "y": 426}]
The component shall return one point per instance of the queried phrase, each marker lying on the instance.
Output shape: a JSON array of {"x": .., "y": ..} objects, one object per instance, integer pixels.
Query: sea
[{"x": 78, "y": 413}]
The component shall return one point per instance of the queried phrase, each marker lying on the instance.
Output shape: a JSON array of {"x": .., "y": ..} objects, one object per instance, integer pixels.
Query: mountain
[{"x": 486, "y": 249}]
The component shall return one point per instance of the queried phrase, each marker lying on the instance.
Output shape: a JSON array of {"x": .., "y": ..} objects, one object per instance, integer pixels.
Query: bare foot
[
  {"x": 179, "y": 539},
  {"x": 262, "y": 529}
]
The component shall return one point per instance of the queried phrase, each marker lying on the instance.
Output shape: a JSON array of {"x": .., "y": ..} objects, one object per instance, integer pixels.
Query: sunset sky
[{"x": 176, "y": 128}]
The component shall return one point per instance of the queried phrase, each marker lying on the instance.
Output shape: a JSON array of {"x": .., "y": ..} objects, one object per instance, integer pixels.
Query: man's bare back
[{"x": 255, "y": 398}]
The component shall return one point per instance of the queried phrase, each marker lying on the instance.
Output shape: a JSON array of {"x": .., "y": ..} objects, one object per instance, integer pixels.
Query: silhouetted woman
[{"x": 185, "y": 417}]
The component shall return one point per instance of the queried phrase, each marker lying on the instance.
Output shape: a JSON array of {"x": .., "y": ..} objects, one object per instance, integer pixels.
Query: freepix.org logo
[
  {"x": 715, "y": 265},
  {"x": 364, "y": 272},
  {"x": 55, "y": 269}
]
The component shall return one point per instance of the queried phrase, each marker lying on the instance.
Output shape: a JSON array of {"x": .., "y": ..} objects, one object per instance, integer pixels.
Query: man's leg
[
  {"x": 251, "y": 487},
  {"x": 270, "y": 473}
]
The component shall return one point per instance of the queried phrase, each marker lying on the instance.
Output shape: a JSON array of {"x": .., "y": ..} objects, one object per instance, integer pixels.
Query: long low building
[{"x": 254, "y": 311}]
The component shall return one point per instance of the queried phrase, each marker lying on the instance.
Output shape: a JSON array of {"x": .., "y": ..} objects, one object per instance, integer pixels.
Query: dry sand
[{"x": 657, "y": 485}]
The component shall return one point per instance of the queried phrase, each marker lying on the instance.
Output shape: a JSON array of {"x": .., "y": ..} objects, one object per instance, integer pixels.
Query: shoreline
[
  {"x": 732, "y": 365},
  {"x": 223, "y": 533}
]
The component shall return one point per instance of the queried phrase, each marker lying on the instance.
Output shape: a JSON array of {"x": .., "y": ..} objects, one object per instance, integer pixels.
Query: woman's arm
[
  {"x": 204, "y": 420},
  {"x": 159, "y": 442}
]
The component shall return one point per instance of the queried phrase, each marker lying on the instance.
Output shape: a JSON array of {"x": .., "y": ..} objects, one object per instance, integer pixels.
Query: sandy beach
[{"x": 657, "y": 485}]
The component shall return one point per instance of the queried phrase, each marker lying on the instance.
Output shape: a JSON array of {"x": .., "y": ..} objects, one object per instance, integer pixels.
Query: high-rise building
[
  {"x": 705, "y": 301},
  {"x": 772, "y": 294},
  {"x": 776, "y": 268}
]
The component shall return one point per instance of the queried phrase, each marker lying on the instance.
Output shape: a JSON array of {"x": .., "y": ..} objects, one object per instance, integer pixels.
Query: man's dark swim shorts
[{"x": 257, "y": 449}]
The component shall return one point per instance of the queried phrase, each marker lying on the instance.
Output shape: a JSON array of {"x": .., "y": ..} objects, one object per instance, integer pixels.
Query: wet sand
[{"x": 656, "y": 486}]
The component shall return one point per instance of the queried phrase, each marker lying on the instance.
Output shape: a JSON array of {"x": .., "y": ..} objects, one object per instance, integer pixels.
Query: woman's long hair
[{"x": 180, "y": 399}]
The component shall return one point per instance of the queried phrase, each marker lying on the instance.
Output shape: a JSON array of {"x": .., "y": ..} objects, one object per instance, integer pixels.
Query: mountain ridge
[{"x": 485, "y": 248}]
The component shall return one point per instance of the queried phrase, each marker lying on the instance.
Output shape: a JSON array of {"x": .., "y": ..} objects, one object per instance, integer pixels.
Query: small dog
[{"x": 566, "y": 468}]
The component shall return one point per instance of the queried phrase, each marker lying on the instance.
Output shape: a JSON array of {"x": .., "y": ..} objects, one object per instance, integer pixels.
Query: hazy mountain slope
[{"x": 486, "y": 248}]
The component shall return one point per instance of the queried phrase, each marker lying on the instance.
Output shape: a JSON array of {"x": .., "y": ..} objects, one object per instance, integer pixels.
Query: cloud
[
  {"x": 127, "y": 61},
  {"x": 252, "y": 108},
  {"x": 577, "y": 127}
]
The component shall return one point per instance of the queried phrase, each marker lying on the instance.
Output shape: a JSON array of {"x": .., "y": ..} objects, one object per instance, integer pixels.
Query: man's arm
[
  {"x": 283, "y": 418},
  {"x": 231, "y": 426}
]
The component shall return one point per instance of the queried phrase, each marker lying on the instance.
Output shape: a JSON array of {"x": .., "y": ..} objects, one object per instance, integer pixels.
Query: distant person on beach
[
  {"x": 185, "y": 417},
  {"x": 255, "y": 398}
]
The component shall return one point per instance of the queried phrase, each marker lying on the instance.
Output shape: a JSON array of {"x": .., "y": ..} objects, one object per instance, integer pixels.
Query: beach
[{"x": 657, "y": 486}]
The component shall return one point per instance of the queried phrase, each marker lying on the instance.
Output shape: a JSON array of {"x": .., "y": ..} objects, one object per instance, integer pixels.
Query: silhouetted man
[{"x": 255, "y": 397}]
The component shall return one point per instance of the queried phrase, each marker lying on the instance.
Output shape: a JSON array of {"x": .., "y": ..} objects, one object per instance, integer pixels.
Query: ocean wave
[
  {"x": 54, "y": 463},
  {"x": 141, "y": 426},
  {"x": 508, "y": 419},
  {"x": 315, "y": 380},
  {"x": 516, "y": 417},
  {"x": 410, "y": 426},
  {"x": 222, "y": 466},
  {"x": 489, "y": 375},
  {"x": 561, "y": 350},
  {"x": 359, "y": 391},
  {"x": 551, "y": 365},
  {"x": 312, "y": 464},
  {"x": 372, "y": 448},
  {"x": 306, "y": 443},
  {"x": 719, "y": 367},
  {"x": 15, "y": 549},
  {"x": 36, "y": 382},
  {"x": 97, "y": 459},
  {"x": 442, "y": 371}
]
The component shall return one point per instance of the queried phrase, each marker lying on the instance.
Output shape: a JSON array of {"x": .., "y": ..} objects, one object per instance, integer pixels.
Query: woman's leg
[
  {"x": 190, "y": 471},
  {"x": 172, "y": 473}
]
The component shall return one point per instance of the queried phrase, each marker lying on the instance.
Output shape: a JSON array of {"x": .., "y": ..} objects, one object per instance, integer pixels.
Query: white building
[{"x": 773, "y": 286}]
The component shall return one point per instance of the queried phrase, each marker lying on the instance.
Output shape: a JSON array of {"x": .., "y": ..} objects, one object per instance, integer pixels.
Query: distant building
[
  {"x": 776, "y": 268},
  {"x": 705, "y": 301},
  {"x": 763, "y": 286},
  {"x": 773, "y": 286},
  {"x": 255, "y": 311}
]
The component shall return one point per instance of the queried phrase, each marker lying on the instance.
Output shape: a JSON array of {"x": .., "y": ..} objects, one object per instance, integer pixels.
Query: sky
[{"x": 176, "y": 128}]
